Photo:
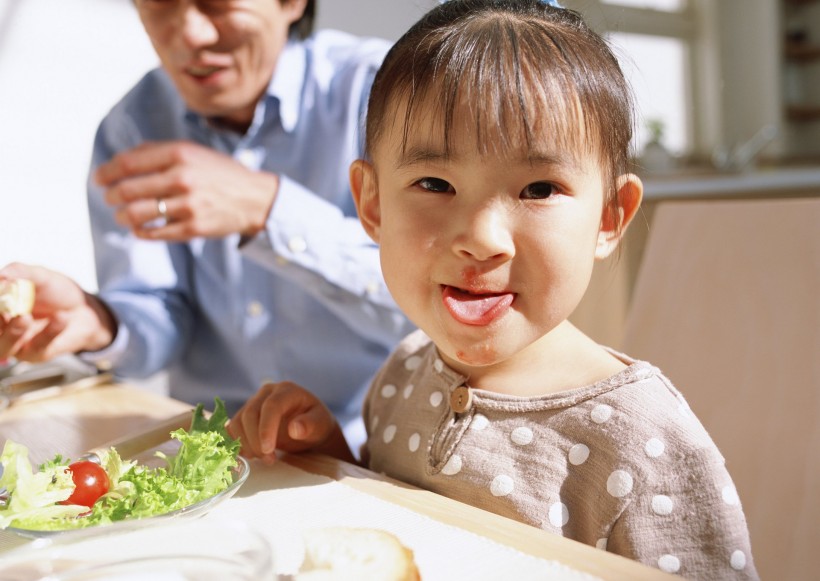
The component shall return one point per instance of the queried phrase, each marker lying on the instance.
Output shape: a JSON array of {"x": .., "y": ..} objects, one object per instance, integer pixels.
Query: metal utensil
[
  {"x": 153, "y": 436},
  {"x": 15, "y": 386}
]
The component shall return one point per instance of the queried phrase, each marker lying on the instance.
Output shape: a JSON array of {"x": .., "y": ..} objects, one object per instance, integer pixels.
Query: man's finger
[
  {"x": 147, "y": 158},
  {"x": 160, "y": 184}
]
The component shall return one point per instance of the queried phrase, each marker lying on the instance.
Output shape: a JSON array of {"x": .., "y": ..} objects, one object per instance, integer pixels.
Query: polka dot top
[{"x": 623, "y": 465}]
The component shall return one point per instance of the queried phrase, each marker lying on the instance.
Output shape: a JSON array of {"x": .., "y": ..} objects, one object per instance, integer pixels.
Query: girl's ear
[
  {"x": 366, "y": 197},
  {"x": 619, "y": 214}
]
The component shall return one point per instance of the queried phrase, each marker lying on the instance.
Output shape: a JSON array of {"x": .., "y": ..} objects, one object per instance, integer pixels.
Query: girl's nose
[
  {"x": 485, "y": 235},
  {"x": 198, "y": 30}
]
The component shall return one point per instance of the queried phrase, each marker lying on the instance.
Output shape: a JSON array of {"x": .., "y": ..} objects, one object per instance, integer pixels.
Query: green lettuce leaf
[{"x": 201, "y": 468}]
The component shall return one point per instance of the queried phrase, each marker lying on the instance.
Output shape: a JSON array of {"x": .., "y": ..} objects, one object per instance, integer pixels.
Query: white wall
[
  {"x": 382, "y": 18},
  {"x": 63, "y": 64}
]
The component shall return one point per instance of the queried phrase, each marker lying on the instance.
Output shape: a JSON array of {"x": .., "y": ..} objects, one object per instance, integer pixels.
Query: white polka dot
[
  {"x": 413, "y": 442},
  {"x": 559, "y": 514},
  {"x": 654, "y": 447},
  {"x": 389, "y": 433},
  {"x": 479, "y": 422},
  {"x": 436, "y": 398},
  {"x": 438, "y": 365},
  {"x": 601, "y": 413},
  {"x": 521, "y": 436},
  {"x": 729, "y": 495},
  {"x": 578, "y": 454},
  {"x": 374, "y": 423},
  {"x": 669, "y": 563},
  {"x": 502, "y": 485},
  {"x": 453, "y": 465},
  {"x": 408, "y": 391},
  {"x": 601, "y": 544},
  {"x": 619, "y": 483},
  {"x": 662, "y": 504},
  {"x": 388, "y": 390},
  {"x": 738, "y": 560},
  {"x": 412, "y": 362}
]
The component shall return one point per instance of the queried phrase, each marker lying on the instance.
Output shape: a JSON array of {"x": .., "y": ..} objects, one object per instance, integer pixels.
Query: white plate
[
  {"x": 240, "y": 475},
  {"x": 180, "y": 550}
]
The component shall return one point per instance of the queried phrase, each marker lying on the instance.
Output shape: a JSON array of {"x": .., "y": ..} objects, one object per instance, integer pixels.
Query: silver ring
[{"x": 162, "y": 209}]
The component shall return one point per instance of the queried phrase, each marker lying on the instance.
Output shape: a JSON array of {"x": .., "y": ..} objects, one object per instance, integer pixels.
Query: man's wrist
[
  {"x": 269, "y": 184},
  {"x": 106, "y": 329}
]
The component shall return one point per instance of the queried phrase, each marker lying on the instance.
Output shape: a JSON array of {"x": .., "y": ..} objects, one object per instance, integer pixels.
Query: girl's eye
[
  {"x": 435, "y": 185},
  {"x": 539, "y": 191}
]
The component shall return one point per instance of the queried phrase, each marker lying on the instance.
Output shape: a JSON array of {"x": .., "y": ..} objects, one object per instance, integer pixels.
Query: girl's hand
[{"x": 285, "y": 416}]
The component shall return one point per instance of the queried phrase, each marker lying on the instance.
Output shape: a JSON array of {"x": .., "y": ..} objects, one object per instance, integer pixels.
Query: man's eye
[
  {"x": 434, "y": 185},
  {"x": 539, "y": 191}
]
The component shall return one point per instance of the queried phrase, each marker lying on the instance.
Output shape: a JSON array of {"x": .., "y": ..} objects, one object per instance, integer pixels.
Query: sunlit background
[{"x": 707, "y": 72}]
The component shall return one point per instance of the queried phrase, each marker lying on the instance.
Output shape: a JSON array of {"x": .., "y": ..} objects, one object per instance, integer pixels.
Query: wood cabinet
[{"x": 801, "y": 59}]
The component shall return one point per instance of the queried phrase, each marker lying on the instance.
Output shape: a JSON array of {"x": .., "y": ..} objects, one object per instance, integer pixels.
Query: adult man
[{"x": 227, "y": 246}]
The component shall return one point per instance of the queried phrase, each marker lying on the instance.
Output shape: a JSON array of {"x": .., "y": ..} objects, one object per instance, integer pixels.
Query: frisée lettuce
[{"x": 201, "y": 468}]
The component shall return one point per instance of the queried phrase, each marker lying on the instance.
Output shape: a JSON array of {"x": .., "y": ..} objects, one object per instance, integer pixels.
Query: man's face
[{"x": 220, "y": 54}]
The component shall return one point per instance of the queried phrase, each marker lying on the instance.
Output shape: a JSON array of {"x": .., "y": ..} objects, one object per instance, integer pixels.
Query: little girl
[{"x": 498, "y": 136}]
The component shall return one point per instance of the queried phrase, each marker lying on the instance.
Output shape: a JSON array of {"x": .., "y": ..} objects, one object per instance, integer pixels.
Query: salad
[{"x": 62, "y": 495}]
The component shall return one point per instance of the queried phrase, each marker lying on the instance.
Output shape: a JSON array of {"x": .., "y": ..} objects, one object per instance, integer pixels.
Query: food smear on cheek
[
  {"x": 482, "y": 355},
  {"x": 468, "y": 277}
]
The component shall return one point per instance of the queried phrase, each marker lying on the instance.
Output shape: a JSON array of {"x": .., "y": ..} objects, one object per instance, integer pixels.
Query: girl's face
[{"x": 488, "y": 254}]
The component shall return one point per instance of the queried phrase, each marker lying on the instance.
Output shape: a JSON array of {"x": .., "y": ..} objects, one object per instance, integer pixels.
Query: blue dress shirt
[{"x": 302, "y": 301}]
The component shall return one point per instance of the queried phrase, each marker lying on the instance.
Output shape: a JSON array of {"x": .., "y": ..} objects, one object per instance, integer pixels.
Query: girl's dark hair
[
  {"x": 304, "y": 26},
  {"x": 520, "y": 65}
]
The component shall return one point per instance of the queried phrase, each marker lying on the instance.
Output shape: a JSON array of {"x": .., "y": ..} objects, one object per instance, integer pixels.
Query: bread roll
[
  {"x": 16, "y": 297},
  {"x": 356, "y": 554}
]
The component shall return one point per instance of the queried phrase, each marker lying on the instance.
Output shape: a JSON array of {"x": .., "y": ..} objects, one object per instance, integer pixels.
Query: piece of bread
[
  {"x": 16, "y": 297},
  {"x": 355, "y": 554}
]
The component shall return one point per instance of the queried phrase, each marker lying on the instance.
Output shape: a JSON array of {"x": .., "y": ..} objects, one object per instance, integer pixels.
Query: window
[
  {"x": 666, "y": 5},
  {"x": 655, "y": 67},
  {"x": 653, "y": 41}
]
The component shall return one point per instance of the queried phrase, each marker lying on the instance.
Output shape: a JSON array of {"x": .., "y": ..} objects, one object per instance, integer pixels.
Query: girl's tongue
[{"x": 475, "y": 309}]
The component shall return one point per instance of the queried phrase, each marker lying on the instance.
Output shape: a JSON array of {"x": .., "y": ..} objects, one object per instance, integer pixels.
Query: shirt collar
[
  {"x": 288, "y": 81},
  {"x": 285, "y": 89}
]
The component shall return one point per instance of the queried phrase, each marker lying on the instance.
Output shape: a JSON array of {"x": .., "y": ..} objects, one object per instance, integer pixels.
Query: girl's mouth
[{"x": 476, "y": 309}]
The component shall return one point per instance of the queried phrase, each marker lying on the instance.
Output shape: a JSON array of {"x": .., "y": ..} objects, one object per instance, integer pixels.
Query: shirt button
[
  {"x": 372, "y": 287},
  {"x": 247, "y": 157},
  {"x": 255, "y": 308},
  {"x": 104, "y": 365},
  {"x": 461, "y": 399},
  {"x": 297, "y": 244}
]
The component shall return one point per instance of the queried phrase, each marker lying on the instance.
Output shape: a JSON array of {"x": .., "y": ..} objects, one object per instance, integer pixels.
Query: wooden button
[{"x": 461, "y": 399}]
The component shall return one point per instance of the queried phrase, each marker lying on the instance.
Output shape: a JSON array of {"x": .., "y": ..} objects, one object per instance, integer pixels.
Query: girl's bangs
[{"x": 488, "y": 82}]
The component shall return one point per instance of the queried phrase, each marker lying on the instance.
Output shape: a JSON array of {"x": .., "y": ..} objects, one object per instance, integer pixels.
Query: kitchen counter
[{"x": 762, "y": 182}]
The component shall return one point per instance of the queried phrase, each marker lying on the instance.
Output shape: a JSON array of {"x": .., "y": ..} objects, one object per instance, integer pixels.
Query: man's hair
[
  {"x": 304, "y": 26},
  {"x": 519, "y": 69}
]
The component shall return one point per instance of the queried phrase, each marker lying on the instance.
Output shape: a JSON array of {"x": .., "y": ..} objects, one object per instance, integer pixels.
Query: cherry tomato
[{"x": 90, "y": 483}]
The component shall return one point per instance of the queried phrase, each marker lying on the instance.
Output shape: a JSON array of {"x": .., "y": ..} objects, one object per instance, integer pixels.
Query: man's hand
[
  {"x": 65, "y": 319},
  {"x": 203, "y": 193},
  {"x": 285, "y": 416}
]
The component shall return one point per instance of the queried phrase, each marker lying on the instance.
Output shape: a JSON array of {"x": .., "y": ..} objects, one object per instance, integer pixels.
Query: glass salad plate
[
  {"x": 211, "y": 549},
  {"x": 240, "y": 474}
]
